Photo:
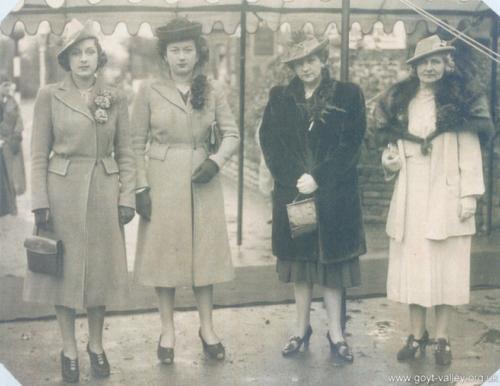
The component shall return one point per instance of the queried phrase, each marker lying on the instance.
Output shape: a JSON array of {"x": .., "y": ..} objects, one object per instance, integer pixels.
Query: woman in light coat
[
  {"x": 83, "y": 173},
  {"x": 182, "y": 238},
  {"x": 431, "y": 124}
]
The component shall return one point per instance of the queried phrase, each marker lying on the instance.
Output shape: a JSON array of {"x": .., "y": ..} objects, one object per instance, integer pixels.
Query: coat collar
[
  {"x": 165, "y": 86},
  {"x": 68, "y": 93}
]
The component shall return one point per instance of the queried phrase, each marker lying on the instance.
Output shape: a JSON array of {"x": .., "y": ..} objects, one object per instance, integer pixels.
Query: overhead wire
[{"x": 458, "y": 34}]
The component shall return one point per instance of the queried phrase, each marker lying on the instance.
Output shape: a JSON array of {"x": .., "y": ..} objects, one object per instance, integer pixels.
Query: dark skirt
[{"x": 341, "y": 275}]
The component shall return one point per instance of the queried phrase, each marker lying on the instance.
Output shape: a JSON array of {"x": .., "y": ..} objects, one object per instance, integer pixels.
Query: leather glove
[
  {"x": 205, "y": 172},
  {"x": 15, "y": 145},
  {"x": 306, "y": 184},
  {"x": 143, "y": 204},
  {"x": 125, "y": 214},
  {"x": 466, "y": 207},
  {"x": 42, "y": 217}
]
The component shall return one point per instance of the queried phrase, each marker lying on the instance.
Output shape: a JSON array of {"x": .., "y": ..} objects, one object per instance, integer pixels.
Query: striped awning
[{"x": 225, "y": 14}]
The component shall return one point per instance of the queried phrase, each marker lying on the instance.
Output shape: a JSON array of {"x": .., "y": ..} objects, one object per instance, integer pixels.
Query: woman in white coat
[{"x": 431, "y": 123}]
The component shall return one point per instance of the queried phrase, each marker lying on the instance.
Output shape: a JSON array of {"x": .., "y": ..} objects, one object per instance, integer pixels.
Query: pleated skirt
[{"x": 335, "y": 275}]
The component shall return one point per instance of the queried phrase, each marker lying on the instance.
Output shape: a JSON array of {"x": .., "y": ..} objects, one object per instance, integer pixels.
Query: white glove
[
  {"x": 306, "y": 184},
  {"x": 466, "y": 207}
]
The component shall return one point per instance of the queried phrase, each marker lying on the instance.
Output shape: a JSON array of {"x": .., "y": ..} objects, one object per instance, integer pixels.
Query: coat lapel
[
  {"x": 166, "y": 88},
  {"x": 68, "y": 94}
]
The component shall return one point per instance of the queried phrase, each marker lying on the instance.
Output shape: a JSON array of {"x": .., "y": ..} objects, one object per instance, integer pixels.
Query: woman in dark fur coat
[
  {"x": 311, "y": 135},
  {"x": 431, "y": 123}
]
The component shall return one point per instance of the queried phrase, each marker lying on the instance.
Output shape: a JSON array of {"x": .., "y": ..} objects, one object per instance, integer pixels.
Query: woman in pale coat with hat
[
  {"x": 83, "y": 173},
  {"x": 182, "y": 237},
  {"x": 311, "y": 136},
  {"x": 431, "y": 124}
]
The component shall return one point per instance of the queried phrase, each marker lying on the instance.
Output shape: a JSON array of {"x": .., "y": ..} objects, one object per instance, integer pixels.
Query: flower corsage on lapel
[{"x": 103, "y": 102}]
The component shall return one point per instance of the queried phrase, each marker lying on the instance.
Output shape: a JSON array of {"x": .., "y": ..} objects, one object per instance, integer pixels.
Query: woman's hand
[
  {"x": 466, "y": 207},
  {"x": 391, "y": 162},
  {"x": 143, "y": 204},
  {"x": 125, "y": 214},
  {"x": 42, "y": 217},
  {"x": 306, "y": 184},
  {"x": 205, "y": 172}
]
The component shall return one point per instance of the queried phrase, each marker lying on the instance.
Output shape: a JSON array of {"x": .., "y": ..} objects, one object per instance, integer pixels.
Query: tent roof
[{"x": 226, "y": 13}]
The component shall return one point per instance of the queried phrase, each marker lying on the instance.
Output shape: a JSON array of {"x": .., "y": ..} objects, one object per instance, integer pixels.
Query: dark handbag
[
  {"x": 302, "y": 216},
  {"x": 214, "y": 138},
  {"x": 45, "y": 255}
]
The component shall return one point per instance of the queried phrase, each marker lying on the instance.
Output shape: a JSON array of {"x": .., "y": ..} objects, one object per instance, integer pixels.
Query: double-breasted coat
[
  {"x": 329, "y": 150},
  {"x": 82, "y": 171},
  {"x": 11, "y": 131},
  {"x": 186, "y": 241}
]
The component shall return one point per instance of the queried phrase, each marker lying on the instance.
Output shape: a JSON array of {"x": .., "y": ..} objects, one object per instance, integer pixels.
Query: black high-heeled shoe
[
  {"x": 341, "y": 351},
  {"x": 70, "y": 371},
  {"x": 443, "y": 352},
  {"x": 295, "y": 343},
  {"x": 165, "y": 354},
  {"x": 214, "y": 351},
  {"x": 409, "y": 350},
  {"x": 99, "y": 364}
]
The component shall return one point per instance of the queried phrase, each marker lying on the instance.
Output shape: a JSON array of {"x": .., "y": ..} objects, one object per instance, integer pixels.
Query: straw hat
[
  {"x": 303, "y": 45},
  {"x": 179, "y": 29},
  {"x": 429, "y": 46},
  {"x": 85, "y": 32}
]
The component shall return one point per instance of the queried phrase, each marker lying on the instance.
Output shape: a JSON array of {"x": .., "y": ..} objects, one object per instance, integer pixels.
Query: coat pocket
[
  {"x": 110, "y": 165},
  {"x": 158, "y": 151},
  {"x": 59, "y": 166}
]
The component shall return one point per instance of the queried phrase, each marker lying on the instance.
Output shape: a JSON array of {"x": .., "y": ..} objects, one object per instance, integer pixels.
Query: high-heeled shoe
[
  {"x": 295, "y": 343},
  {"x": 443, "y": 352},
  {"x": 165, "y": 354},
  {"x": 99, "y": 364},
  {"x": 341, "y": 351},
  {"x": 409, "y": 350},
  {"x": 70, "y": 371},
  {"x": 214, "y": 351}
]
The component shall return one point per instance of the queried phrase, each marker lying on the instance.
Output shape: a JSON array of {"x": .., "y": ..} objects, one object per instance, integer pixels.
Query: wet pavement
[{"x": 253, "y": 337}]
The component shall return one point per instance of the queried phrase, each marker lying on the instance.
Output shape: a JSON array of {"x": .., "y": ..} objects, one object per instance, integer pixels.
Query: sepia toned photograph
[{"x": 250, "y": 192}]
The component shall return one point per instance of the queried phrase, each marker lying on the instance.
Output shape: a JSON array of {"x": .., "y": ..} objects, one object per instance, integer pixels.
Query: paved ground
[{"x": 253, "y": 337}]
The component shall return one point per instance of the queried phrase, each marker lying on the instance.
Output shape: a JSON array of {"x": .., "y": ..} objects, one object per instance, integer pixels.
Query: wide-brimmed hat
[
  {"x": 85, "y": 32},
  {"x": 179, "y": 29},
  {"x": 303, "y": 45},
  {"x": 429, "y": 46}
]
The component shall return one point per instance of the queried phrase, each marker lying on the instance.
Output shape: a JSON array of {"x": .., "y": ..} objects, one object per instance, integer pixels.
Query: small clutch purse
[
  {"x": 214, "y": 138},
  {"x": 44, "y": 255},
  {"x": 302, "y": 216}
]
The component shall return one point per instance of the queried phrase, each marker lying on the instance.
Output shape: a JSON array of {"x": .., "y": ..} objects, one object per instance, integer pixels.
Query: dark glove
[
  {"x": 42, "y": 217},
  {"x": 15, "y": 145},
  {"x": 125, "y": 214},
  {"x": 205, "y": 172},
  {"x": 143, "y": 204}
]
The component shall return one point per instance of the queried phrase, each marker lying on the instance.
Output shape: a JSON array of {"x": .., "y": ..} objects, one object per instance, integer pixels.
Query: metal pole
[
  {"x": 241, "y": 160},
  {"x": 344, "y": 77},
  {"x": 344, "y": 46},
  {"x": 493, "y": 106}
]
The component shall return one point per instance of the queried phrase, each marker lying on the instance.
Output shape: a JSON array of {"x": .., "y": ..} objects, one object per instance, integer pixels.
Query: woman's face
[
  {"x": 84, "y": 58},
  {"x": 308, "y": 69},
  {"x": 181, "y": 57},
  {"x": 431, "y": 68}
]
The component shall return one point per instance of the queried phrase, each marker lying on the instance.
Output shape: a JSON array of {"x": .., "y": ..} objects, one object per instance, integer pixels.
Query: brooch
[{"x": 103, "y": 101}]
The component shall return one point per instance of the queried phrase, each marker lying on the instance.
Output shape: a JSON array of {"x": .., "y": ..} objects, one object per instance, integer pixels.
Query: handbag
[
  {"x": 214, "y": 138},
  {"x": 44, "y": 254},
  {"x": 302, "y": 216}
]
